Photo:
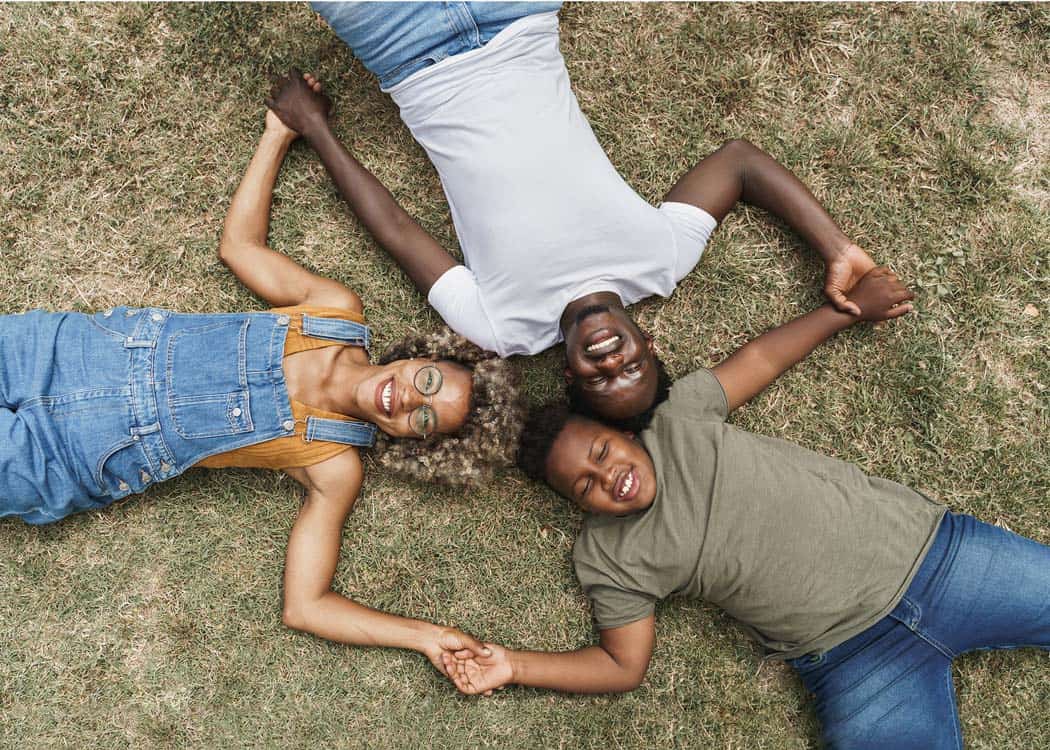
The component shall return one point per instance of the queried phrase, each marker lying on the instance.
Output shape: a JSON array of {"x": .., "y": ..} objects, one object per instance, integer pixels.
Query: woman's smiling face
[
  {"x": 602, "y": 469},
  {"x": 396, "y": 402}
]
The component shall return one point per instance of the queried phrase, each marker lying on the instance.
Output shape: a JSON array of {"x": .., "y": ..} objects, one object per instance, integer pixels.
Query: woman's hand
[
  {"x": 278, "y": 129},
  {"x": 479, "y": 674},
  {"x": 299, "y": 103},
  {"x": 449, "y": 641},
  {"x": 844, "y": 271},
  {"x": 880, "y": 295}
]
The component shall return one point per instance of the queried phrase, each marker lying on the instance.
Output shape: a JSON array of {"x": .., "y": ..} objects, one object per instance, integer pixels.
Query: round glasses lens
[
  {"x": 428, "y": 380},
  {"x": 423, "y": 420}
]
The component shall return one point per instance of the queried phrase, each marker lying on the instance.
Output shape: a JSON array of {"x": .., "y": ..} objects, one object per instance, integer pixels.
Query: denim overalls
[{"x": 94, "y": 408}]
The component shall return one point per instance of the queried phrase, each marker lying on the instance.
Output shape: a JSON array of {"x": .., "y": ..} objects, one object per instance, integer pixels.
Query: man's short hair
[{"x": 578, "y": 404}]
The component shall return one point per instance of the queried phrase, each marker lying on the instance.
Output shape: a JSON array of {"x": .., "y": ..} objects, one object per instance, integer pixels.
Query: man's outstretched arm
[
  {"x": 416, "y": 252},
  {"x": 740, "y": 171}
]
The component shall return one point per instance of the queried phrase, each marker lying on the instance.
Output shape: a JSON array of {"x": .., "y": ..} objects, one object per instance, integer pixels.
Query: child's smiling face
[{"x": 602, "y": 469}]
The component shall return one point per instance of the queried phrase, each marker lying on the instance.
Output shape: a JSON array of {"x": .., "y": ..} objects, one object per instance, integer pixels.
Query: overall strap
[
  {"x": 361, "y": 434},
  {"x": 341, "y": 330}
]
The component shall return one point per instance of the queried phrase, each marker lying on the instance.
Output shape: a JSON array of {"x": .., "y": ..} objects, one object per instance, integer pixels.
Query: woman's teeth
[
  {"x": 388, "y": 395},
  {"x": 628, "y": 483},
  {"x": 603, "y": 345}
]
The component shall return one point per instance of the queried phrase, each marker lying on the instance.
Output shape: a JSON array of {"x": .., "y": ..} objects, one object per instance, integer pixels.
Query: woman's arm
[
  {"x": 273, "y": 276},
  {"x": 740, "y": 171},
  {"x": 750, "y": 369},
  {"x": 303, "y": 107},
  {"x": 616, "y": 665},
  {"x": 313, "y": 553}
]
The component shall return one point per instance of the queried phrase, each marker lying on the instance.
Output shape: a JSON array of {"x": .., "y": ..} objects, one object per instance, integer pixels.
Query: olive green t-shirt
[{"x": 804, "y": 550}]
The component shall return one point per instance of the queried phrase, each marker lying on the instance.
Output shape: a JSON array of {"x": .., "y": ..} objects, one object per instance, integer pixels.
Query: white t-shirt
[{"x": 542, "y": 216}]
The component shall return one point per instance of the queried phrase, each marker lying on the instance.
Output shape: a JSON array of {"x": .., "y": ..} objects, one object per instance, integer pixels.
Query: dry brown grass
[{"x": 123, "y": 131}]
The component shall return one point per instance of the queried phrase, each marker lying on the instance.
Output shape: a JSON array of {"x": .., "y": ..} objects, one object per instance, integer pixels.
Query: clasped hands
[{"x": 475, "y": 668}]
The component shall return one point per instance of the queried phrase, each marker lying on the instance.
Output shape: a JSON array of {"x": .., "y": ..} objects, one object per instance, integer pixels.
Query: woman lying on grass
[
  {"x": 96, "y": 407},
  {"x": 866, "y": 587}
]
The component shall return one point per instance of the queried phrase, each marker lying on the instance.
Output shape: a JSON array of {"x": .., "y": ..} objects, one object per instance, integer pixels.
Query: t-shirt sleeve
[
  {"x": 691, "y": 227},
  {"x": 613, "y": 604},
  {"x": 700, "y": 395},
  {"x": 457, "y": 298},
  {"x": 614, "y": 607}
]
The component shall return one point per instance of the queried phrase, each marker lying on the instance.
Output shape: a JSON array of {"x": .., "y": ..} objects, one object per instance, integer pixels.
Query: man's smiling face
[{"x": 610, "y": 362}]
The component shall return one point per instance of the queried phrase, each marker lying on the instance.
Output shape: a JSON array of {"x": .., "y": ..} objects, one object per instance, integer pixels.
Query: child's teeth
[{"x": 627, "y": 484}]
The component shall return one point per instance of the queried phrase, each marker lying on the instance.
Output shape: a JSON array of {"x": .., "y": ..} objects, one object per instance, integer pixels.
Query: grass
[{"x": 123, "y": 132}]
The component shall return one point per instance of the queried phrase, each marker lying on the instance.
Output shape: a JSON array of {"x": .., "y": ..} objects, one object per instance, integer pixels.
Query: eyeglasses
[{"x": 423, "y": 418}]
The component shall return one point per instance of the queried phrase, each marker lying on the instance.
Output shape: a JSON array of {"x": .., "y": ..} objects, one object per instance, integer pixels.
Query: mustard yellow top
[{"x": 292, "y": 451}]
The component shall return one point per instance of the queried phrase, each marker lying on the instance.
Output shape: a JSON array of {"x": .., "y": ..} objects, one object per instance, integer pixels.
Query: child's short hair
[
  {"x": 635, "y": 424},
  {"x": 542, "y": 427}
]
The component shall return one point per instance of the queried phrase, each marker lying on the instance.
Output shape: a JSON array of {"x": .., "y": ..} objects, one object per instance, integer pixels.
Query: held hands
[
  {"x": 475, "y": 674},
  {"x": 844, "y": 271},
  {"x": 445, "y": 642},
  {"x": 880, "y": 295},
  {"x": 299, "y": 103}
]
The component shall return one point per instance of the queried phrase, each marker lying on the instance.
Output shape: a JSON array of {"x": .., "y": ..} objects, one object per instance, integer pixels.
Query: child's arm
[
  {"x": 272, "y": 275},
  {"x": 879, "y": 295},
  {"x": 740, "y": 171},
  {"x": 419, "y": 255},
  {"x": 616, "y": 665}
]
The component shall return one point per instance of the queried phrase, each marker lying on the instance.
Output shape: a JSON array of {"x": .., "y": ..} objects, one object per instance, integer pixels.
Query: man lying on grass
[
  {"x": 868, "y": 588},
  {"x": 555, "y": 243}
]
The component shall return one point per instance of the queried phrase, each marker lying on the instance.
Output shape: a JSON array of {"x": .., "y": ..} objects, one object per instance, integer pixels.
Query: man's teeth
[
  {"x": 604, "y": 344},
  {"x": 388, "y": 394},
  {"x": 627, "y": 484}
]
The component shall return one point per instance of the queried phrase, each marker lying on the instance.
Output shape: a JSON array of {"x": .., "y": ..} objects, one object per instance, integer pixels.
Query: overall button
[
  {"x": 146, "y": 478},
  {"x": 283, "y": 320},
  {"x": 129, "y": 313},
  {"x": 165, "y": 467},
  {"x": 288, "y": 425},
  {"x": 136, "y": 438},
  {"x": 123, "y": 487},
  {"x": 236, "y": 411},
  {"x": 156, "y": 317},
  {"x": 107, "y": 313}
]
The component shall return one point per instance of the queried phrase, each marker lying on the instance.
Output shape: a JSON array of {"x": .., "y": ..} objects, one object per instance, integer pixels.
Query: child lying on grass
[{"x": 866, "y": 587}]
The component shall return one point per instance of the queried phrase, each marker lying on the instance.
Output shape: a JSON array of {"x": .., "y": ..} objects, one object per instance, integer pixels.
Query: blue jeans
[
  {"x": 96, "y": 407},
  {"x": 980, "y": 587},
  {"x": 394, "y": 40}
]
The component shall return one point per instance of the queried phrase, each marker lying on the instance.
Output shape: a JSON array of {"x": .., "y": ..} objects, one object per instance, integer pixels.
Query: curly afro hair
[
  {"x": 542, "y": 427},
  {"x": 489, "y": 435},
  {"x": 635, "y": 424}
]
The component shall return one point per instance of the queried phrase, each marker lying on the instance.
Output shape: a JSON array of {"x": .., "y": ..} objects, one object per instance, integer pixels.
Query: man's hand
[
  {"x": 844, "y": 271},
  {"x": 299, "y": 103},
  {"x": 475, "y": 674},
  {"x": 449, "y": 641},
  {"x": 880, "y": 295}
]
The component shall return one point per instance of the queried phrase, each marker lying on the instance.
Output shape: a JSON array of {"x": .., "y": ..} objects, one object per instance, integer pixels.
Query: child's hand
[
  {"x": 479, "y": 674},
  {"x": 448, "y": 641},
  {"x": 880, "y": 295}
]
